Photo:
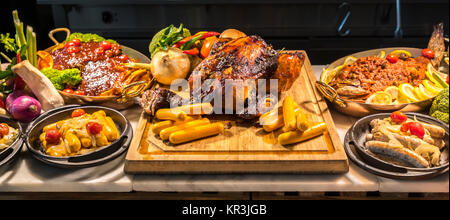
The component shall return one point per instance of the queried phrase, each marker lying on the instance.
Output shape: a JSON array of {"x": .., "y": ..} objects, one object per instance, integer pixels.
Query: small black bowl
[
  {"x": 9, "y": 154},
  {"x": 97, "y": 157},
  {"x": 357, "y": 137}
]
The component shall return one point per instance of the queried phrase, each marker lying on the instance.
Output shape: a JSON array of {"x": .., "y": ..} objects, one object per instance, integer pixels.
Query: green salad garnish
[
  {"x": 62, "y": 78},
  {"x": 88, "y": 38},
  {"x": 167, "y": 37}
]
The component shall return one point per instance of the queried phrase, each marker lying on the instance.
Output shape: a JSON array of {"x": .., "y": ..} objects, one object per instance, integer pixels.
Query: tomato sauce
[{"x": 98, "y": 71}]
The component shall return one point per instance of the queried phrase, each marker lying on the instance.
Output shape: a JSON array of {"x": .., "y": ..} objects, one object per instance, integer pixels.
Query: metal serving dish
[
  {"x": 116, "y": 102},
  {"x": 97, "y": 157},
  {"x": 361, "y": 109},
  {"x": 387, "y": 166},
  {"x": 9, "y": 155}
]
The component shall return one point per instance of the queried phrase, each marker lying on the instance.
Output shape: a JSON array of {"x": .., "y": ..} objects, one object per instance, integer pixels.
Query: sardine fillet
[{"x": 400, "y": 153}]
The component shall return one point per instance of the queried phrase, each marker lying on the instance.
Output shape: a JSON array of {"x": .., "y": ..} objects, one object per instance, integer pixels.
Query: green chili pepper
[{"x": 189, "y": 44}]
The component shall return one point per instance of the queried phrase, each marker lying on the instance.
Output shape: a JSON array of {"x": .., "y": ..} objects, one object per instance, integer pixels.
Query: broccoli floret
[
  {"x": 61, "y": 78},
  {"x": 441, "y": 116},
  {"x": 440, "y": 107}
]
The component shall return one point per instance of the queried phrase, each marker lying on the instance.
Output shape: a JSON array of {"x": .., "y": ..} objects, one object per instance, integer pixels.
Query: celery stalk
[
  {"x": 34, "y": 50},
  {"x": 29, "y": 54},
  {"x": 19, "y": 29}
]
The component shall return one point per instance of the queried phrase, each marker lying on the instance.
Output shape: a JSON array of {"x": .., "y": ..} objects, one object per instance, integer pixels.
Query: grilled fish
[{"x": 437, "y": 44}]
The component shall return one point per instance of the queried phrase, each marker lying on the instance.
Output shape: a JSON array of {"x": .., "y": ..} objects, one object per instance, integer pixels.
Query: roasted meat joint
[{"x": 240, "y": 68}]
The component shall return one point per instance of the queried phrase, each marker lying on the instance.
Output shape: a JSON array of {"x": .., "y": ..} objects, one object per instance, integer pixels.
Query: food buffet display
[{"x": 183, "y": 130}]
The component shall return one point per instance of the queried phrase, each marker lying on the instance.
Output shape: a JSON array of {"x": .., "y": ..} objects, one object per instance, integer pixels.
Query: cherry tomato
[
  {"x": 123, "y": 57},
  {"x": 398, "y": 117},
  {"x": 428, "y": 53},
  {"x": 78, "y": 112},
  {"x": 207, "y": 45},
  {"x": 52, "y": 136},
  {"x": 73, "y": 49},
  {"x": 392, "y": 58},
  {"x": 2, "y": 104},
  {"x": 405, "y": 127},
  {"x": 79, "y": 92},
  {"x": 447, "y": 81},
  {"x": 69, "y": 44},
  {"x": 94, "y": 127},
  {"x": 68, "y": 91},
  {"x": 99, "y": 50},
  {"x": 4, "y": 129},
  {"x": 106, "y": 45},
  {"x": 76, "y": 41},
  {"x": 415, "y": 128}
]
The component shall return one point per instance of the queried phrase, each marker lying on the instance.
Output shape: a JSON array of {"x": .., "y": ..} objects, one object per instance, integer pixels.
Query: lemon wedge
[
  {"x": 380, "y": 98},
  {"x": 398, "y": 52},
  {"x": 382, "y": 54},
  {"x": 407, "y": 94},
  {"x": 393, "y": 90},
  {"x": 324, "y": 75},
  {"x": 330, "y": 74},
  {"x": 433, "y": 75},
  {"x": 431, "y": 87},
  {"x": 423, "y": 93},
  {"x": 349, "y": 60}
]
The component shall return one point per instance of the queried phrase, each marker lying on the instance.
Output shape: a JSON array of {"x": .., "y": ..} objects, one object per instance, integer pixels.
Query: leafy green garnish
[
  {"x": 89, "y": 38},
  {"x": 61, "y": 78},
  {"x": 9, "y": 43},
  {"x": 167, "y": 37}
]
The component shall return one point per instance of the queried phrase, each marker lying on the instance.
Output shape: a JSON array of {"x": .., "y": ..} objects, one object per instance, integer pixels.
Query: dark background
[{"x": 311, "y": 25}]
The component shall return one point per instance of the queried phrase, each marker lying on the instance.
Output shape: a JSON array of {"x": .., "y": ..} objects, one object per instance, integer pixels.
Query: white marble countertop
[{"x": 30, "y": 175}]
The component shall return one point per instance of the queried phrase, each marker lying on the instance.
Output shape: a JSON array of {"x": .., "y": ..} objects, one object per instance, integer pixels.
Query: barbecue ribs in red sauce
[{"x": 98, "y": 71}]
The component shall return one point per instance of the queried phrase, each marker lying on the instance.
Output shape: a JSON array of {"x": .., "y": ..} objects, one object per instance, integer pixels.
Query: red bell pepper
[
  {"x": 203, "y": 35},
  {"x": 209, "y": 34},
  {"x": 193, "y": 52},
  {"x": 185, "y": 40}
]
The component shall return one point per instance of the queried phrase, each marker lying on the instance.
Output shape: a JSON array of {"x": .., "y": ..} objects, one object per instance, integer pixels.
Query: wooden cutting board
[{"x": 245, "y": 148}]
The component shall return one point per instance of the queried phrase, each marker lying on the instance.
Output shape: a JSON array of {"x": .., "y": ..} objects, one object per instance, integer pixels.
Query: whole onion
[
  {"x": 12, "y": 97},
  {"x": 25, "y": 108}
]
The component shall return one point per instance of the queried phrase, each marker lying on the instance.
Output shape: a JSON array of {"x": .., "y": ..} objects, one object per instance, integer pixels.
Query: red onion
[
  {"x": 25, "y": 108},
  {"x": 12, "y": 97}
]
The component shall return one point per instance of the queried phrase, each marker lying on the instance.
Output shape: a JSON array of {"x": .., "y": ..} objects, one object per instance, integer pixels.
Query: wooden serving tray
[{"x": 245, "y": 148}]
